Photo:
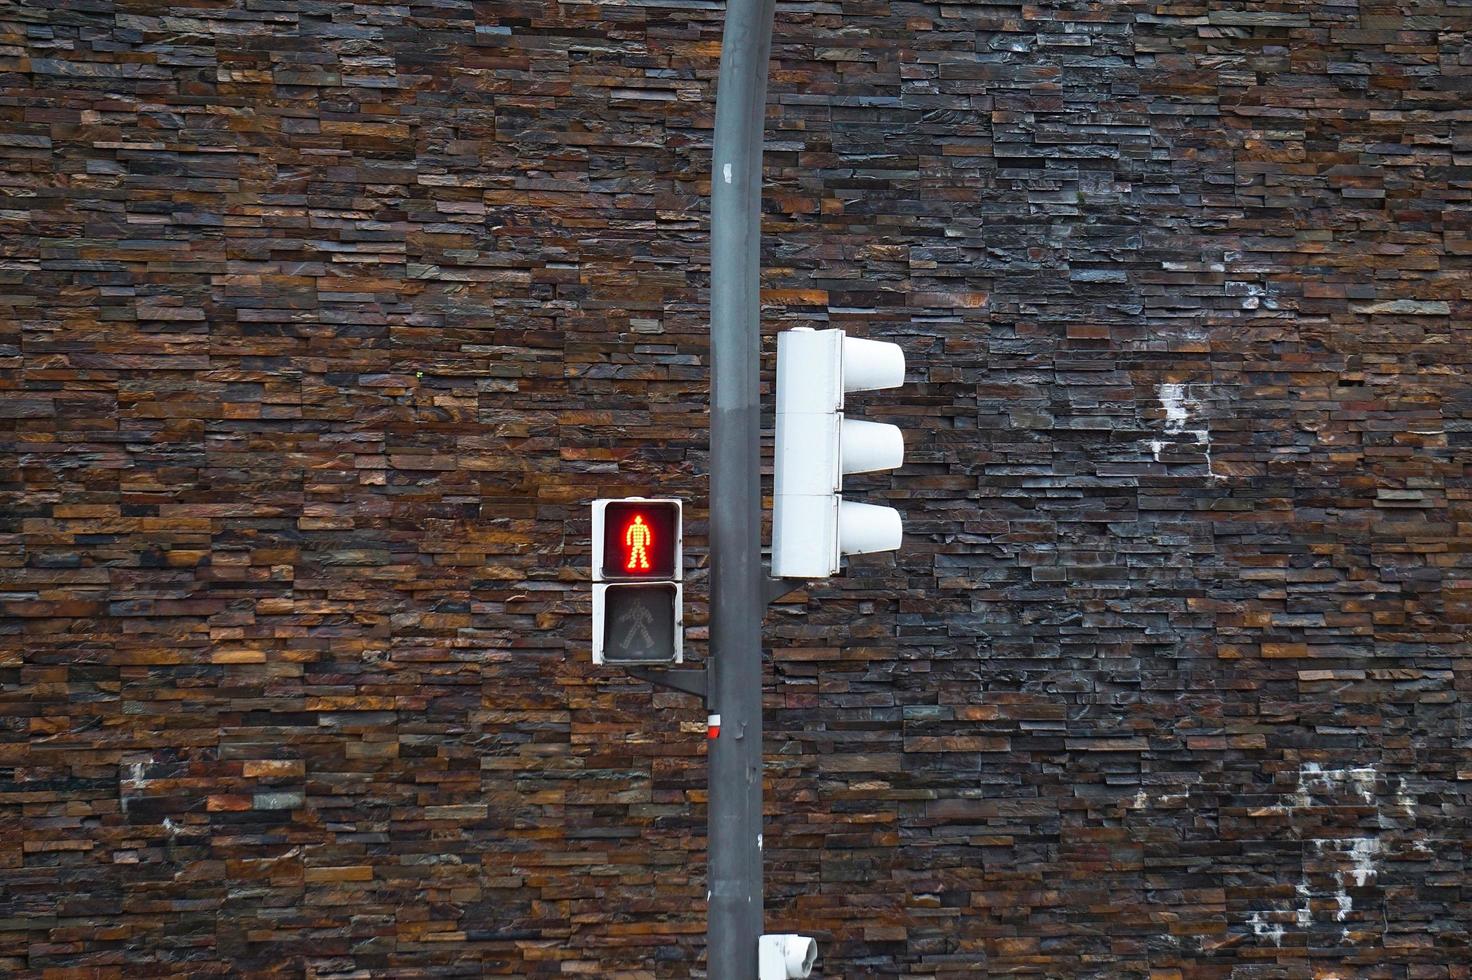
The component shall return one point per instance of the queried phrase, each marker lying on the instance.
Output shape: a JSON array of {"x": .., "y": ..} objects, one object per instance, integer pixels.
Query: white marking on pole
[{"x": 726, "y": 172}]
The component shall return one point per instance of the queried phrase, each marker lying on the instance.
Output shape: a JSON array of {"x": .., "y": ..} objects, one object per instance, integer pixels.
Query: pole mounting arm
[
  {"x": 690, "y": 680},
  {"x": 775, "y": 588}
]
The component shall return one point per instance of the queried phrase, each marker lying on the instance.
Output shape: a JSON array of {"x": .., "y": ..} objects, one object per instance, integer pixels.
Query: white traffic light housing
[
  {"x": 637, "y": 593},
  {"x": 812, "y": 525},
  {"x": 785, "y": 956}
]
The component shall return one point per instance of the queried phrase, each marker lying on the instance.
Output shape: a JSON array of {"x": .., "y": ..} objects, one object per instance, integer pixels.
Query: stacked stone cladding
[{"x": 321, "y": 323}]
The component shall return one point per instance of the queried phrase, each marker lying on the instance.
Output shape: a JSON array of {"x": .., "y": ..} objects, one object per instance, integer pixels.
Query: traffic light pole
[{"x": 738, "y": 592}]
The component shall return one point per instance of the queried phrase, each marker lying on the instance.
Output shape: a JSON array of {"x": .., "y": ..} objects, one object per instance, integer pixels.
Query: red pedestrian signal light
[
  {"x": 641, "y": 540},
  {"x": 638, "y": 539}
]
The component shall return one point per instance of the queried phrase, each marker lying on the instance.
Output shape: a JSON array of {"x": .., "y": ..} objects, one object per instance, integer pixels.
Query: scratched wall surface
[{"x": 321, "y": 323}]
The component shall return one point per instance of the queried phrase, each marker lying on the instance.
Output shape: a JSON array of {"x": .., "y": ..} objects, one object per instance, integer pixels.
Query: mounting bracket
[{"x": 690, "y": 680}]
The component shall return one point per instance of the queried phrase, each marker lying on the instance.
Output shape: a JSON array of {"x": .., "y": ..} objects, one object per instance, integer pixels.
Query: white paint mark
[
  {"x": 1351, "y": 862},
  {"x": 1180, "y": 405},
  {"x": 1314, "y": 778},
  {"x": 1363, "y": 852},
  {"x": 1404, "y": 800},
  {"x": 1263, "y": 929},
  {"x": 1304, "y": 915},
  {"x": 726, "y": 172},
  {"x": 758, "y": 842},
  {"x": 136, "y": 778}
]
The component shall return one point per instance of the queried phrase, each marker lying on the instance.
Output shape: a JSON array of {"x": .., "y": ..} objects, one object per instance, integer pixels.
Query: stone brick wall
[{"x": 322, "y": 322}]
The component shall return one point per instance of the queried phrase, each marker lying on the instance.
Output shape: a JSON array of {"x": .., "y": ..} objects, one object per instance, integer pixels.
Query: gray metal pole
[{"x": 737, "y": 600}]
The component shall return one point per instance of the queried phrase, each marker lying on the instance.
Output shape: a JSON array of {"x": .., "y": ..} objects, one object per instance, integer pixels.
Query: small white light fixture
[{"x": 786, "y": 956}]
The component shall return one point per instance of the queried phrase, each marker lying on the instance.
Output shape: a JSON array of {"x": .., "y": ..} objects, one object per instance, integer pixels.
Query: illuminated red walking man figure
[{"x": 638, "y": 538}]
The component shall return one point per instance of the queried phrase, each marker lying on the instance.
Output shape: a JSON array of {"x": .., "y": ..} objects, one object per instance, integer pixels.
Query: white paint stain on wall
[
  {"x": 1313, "y": 780},
  {"x": 1404, "y": 799},
  {"x": 1180, "y": 406},
  {"x": 1363, "y": 852},
  {"x": 1350, "y": 860},
  {"x": 1263, "y": 929}
]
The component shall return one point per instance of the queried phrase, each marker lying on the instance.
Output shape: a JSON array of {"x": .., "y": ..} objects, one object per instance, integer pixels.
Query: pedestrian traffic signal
[
  {"x": 812, "y": 526},
  {"x": 636, "y": 539},
  {"x": 637, "y": 593}
]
